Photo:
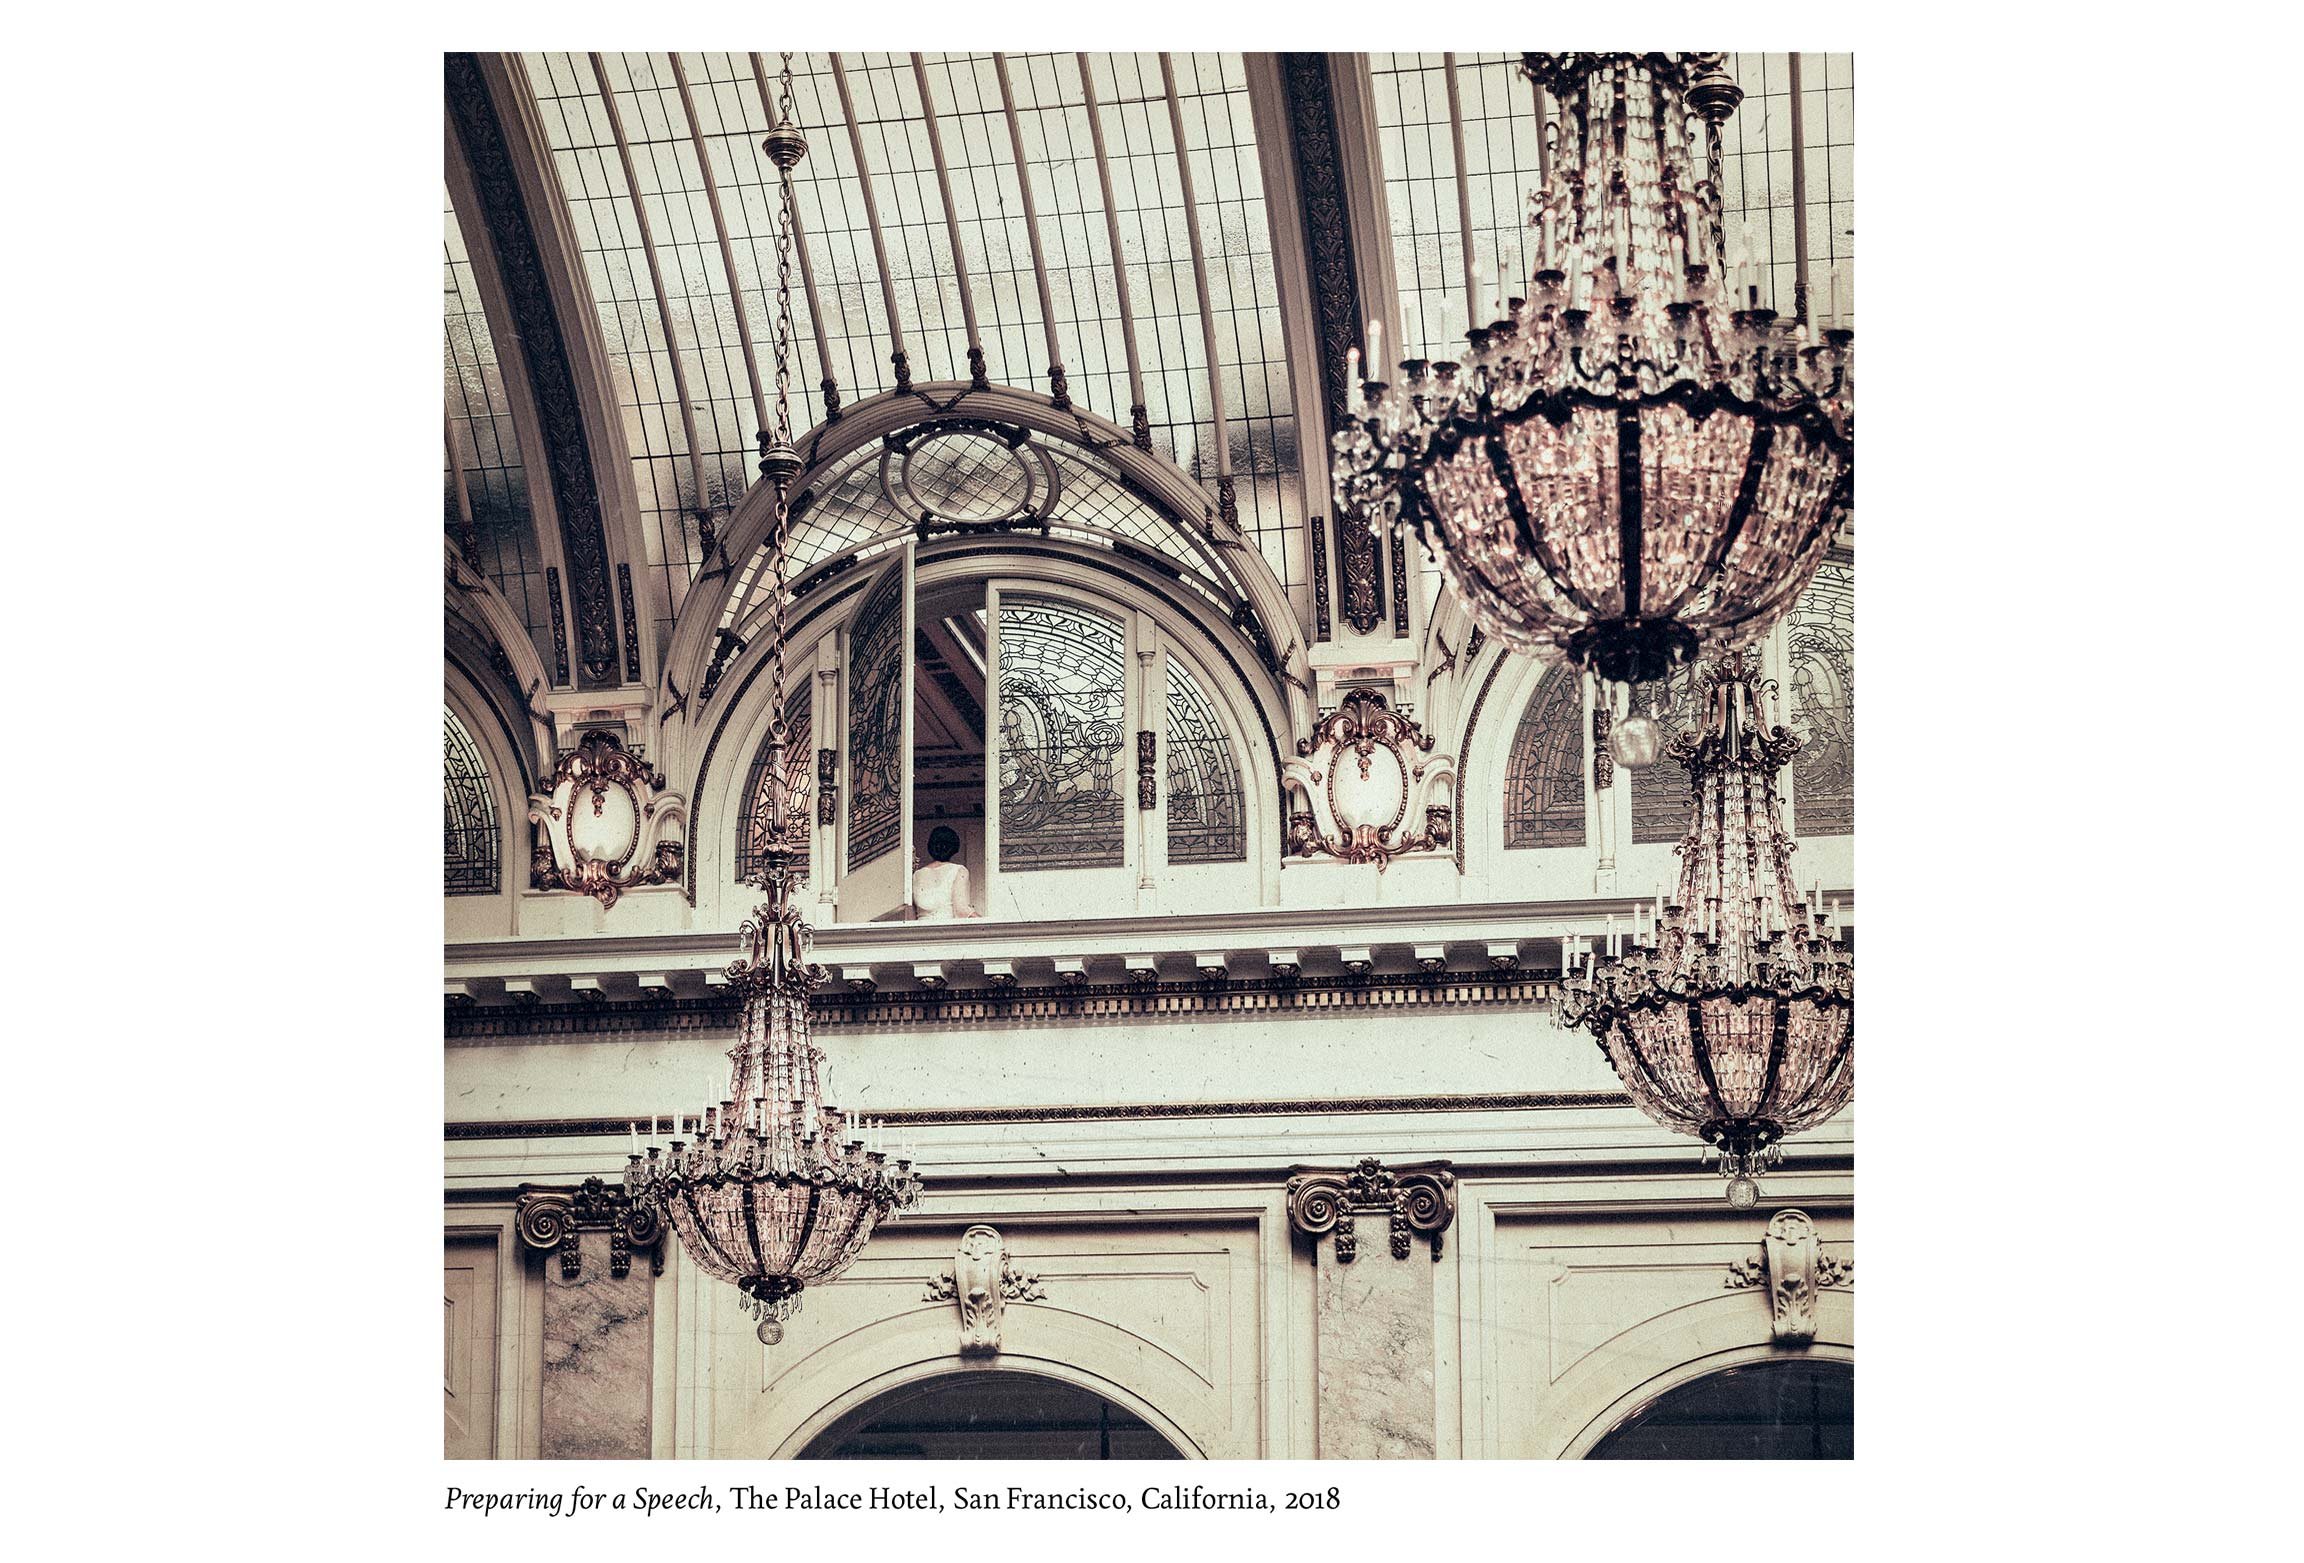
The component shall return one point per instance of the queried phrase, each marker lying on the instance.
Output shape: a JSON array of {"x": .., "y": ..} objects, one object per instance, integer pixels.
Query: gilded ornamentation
[
  {"x": 1793, "y": 1267},
  {"x": 1139, "y": 427},
  {"x": 1416, "y": 1198},
  {"x": 1363, "y": 770},
  {"x": 1147, "y": 774},
  {"x": 1320, "y": 577},
  {"x": 981, "y": 1283},
  {"x": 607, "y": 826},
  {"x": 631, "y": 623},
  {"x": 554, "y": 1219},
  {"x": 827, "y": 786},
  {"x": 559, "y": 626}
]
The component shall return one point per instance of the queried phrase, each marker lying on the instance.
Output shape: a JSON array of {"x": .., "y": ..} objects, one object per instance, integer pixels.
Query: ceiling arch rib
[
  {"x": 486, "y": 489},
  {"x": 1117, "y": 168}
]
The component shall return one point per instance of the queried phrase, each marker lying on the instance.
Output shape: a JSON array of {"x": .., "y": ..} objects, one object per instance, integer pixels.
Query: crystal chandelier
[
  {"x": 1639, "y": 464},
  {"x": 1729, "y": 1011},
  {"x": 777, "y": 1190}
]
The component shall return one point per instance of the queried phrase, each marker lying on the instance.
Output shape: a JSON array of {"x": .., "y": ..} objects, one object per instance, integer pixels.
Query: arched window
[
  {"x": 991, "y": 1415},
  {"x": 1660, "y": 800},
  {"x": 473, "y": 840},
  {"x": 1544, "y": 779},
  {"x": 799, "y": 771},
  {"x": 1820, "y": 650},
  {"x": 1063, "y": 715},
  {"x": 1207, "y": 810},
  {"x": 1767, "y": 1411}
]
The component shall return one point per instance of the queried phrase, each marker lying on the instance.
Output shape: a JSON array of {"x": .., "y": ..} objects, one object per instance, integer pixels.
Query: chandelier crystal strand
[
  {"x": 1639, "y": 463},
  {"x": 778, "y": 1190},
  {"x": 1729, "y": 1012}
]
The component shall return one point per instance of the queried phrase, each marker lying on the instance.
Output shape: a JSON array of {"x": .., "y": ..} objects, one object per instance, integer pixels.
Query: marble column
[{"x": 599, "y": 1357}]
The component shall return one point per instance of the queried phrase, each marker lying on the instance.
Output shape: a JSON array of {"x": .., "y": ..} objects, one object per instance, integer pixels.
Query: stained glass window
[
  {"x": 1820, "y": 647},
  {"x": 1544, "y": 779},
  {"x": 876, "y": 723},
  {"x": 473, "y": 842},
  {"x": 799, "y": 772},
  {"x": 1660, "y": 798},
  {"x": 1063, "y": 706},
  {"x": 1207, "y": 810}
]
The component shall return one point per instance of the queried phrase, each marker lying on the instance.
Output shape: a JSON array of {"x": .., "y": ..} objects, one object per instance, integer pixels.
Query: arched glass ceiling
[
  {"x": 484, "y": 488},
  {"x": 858, "y": 508},
  {"x": 684, "y": 276},
  {"x": 1497, "y": 106}
]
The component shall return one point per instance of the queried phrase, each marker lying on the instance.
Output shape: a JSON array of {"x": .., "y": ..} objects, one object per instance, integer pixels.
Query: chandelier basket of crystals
[
  {"x": 772, "y": 1188},
  {"x": 1639, "y": 464},
  {"x": 1729, "y": 1011}
]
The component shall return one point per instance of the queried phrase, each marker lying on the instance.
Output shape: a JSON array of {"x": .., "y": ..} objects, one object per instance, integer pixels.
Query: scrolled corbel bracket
[
  {"x": 981, "y": 1284},
  {"x": 1792, "y": 1267},
  {"x": 1416, "y": 1198}
]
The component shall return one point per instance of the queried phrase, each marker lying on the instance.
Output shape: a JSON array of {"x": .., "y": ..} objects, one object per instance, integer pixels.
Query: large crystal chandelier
[
  {"x": 1729, "y": 1011},
  {"x": 776, "y": 1190},
  {"x": 1639, "y": 463}
]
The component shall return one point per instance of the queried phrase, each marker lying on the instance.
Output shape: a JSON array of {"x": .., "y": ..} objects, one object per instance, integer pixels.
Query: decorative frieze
[
  {"x": 1416, "y": 1198},
  {"x": 980, "y": 1285},
  {"x": 1793, "y": 1267}
]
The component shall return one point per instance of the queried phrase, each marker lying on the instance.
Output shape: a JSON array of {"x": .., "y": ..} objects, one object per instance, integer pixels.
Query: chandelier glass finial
[
  {"x": 1639, "y": 463},
  {"x": 1728, "y": 1012},
  {"x": 777, "y": 1189}
]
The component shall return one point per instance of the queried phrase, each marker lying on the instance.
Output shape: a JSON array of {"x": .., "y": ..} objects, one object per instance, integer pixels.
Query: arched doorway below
[
  {"x": 1763, "y": 1411},
  {"x": 990, "y": 1415}
]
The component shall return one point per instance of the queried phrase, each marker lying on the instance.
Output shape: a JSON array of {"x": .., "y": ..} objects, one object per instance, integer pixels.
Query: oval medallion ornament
[
  {"x": 1355, "y": 781},
  {"x": 607, "y": 824},
  {"x": 1368, "y": 785},
  {"x": 603, "y": 821}
]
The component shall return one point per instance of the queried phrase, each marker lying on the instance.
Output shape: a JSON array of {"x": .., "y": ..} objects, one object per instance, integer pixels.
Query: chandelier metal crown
[
  {"x": 1640, "y": 463},
  {"x": 1729, "y": 1012},
  {"x": 778, "y": 1190}
]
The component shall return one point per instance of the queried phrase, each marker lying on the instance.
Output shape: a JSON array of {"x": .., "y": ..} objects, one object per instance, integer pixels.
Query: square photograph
[{"x": 1149, "y": 757}]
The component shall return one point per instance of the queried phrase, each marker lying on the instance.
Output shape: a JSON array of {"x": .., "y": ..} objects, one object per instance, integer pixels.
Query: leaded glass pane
[
  {"x": 1544, "y": 779},
  {"x": 799, "y": 773},
  {"x": 472, "y": 844},
  {"x": 876, "y": 722},
  {"x": 1063, "y": 707},
  {"x": 1207, "y": 811},
  {"x": 1660, "y": 799},
  {"x": 1820, "y": 645}
]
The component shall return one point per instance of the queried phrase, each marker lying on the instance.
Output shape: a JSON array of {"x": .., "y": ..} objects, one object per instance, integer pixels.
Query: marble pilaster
[
  {"x": 1375, "y": 1354},
  {"x": 599, "y": 1355}
]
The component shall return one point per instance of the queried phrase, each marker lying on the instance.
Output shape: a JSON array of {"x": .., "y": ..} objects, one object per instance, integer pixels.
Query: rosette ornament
[
  {"x": 1729, "y": 1013},
  {"x": 1639, "y": 464}
]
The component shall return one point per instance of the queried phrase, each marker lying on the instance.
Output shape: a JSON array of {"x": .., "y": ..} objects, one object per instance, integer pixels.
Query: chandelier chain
[{"x": 783, "y": 433}]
